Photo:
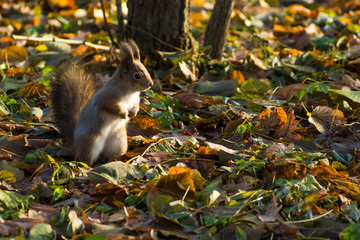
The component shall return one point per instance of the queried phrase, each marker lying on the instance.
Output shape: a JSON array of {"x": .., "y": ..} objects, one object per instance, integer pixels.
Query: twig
[
  {"x": 107, "y": 25},
  {"x": 61, "y": 40},
  {"x": 157, "y": 39}
]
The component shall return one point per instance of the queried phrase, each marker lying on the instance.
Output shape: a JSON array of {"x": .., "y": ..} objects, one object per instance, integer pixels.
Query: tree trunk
[
  {"x": 159, "y": 25},
  {"x": 217, "y": 28},
  {"x": 121, "y": 27}
]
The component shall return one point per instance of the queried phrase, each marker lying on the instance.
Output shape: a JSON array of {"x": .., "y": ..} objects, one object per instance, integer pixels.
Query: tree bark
[
  {"x": 121, "y": 27},
  {"x": 159, "y": 25},
  {"x": 217, "y": 28}
]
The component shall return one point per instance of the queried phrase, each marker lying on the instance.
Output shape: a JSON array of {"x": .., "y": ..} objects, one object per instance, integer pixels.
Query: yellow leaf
[
  {"x": 7, "y": 176},
  {"x": 41, "y": 48}
]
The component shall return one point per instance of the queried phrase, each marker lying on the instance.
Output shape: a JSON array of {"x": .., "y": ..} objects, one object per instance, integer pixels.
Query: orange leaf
[
  {"x": 317, "y": 210},
  {"x": 279, "y": 124},
  {"x": 35, "y": 21},
  {"x": 7, "y": 39},
  {"x": 328, "y": 172},
  {"x": 236, "y": 74},
  {"x": 13, "y": 71},
  {"x": 66, "y": 35},
  {"x": 299, "y": 9},
  {"x": 284, "y": 29},
  {"x": 81, "y": 50},
  {"x": 207, "y": 151}
]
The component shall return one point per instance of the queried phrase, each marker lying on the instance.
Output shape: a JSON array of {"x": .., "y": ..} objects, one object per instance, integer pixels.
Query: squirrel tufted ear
[
  {"x": 126, "y": 52},
  {"x": 134, "y": 48}
]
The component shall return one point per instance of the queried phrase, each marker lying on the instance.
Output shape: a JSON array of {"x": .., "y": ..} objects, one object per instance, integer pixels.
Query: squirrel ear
[
  {"x": 134, "y": 48},
  {"x": 126, "y": 56},
  {"x": 126, "y": 52}
]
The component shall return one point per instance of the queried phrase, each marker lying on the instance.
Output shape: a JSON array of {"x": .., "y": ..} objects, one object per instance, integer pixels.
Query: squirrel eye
[{"x": 137, "y": 76}]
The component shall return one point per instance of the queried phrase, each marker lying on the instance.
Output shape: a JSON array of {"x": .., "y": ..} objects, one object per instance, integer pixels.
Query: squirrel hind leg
[
  {"x": 89, "y": 147},
  {"x": 115, "y": 144}
]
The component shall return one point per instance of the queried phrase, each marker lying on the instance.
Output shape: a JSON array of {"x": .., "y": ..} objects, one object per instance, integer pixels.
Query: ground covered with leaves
[{"x": 262, "y": 144}]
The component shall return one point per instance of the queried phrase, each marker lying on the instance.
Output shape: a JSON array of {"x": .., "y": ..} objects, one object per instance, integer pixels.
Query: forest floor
[{"x": 262, "y": 144}]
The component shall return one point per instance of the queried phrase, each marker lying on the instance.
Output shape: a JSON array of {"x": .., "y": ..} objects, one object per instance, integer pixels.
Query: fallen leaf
[
  {"x": 192, "y": 100},
  {"x": 327, "y": 120}
]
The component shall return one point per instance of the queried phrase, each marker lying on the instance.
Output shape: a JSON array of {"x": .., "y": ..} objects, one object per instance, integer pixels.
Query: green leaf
[
  {"x": 224, "y": 88},
  {"x": 13, "y": 200},
  {"x": 352, "y": 232},
  {"x": 176, "y": 57},
  {"x": 118, "y": 170},
  {"x": 255, "y": 85},
  {"x": 42, "y": 231},
  {"x": 95, "y": 237},
  {"x": 11, "y": 84},
  {"x": 240, "y": 234},
  {"x": 338, "y": 96},
  {"x": 58, "y": 192},
  {"x": 166, "y": 119},
  {"x": 103, "y": 207}
]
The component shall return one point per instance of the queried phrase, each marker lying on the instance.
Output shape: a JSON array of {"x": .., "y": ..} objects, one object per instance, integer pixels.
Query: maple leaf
[{"x": 279, "y": 124}]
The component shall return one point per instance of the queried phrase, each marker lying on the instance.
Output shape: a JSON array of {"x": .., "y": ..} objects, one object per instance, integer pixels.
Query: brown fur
[
  {"x": 95, "y": 125},
  {"x": 72, "y": 89}
]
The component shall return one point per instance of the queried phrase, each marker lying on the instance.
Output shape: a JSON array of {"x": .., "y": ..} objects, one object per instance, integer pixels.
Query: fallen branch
[{"x": 61, "y": 40}]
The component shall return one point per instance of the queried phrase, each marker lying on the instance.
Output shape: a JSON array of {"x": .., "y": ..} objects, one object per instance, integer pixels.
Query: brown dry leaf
[
  {"x": 350, "y": 189},
  {"x": 207, "y": 151},
  {"x": 31, "y": 89},
  {"x": 13, "y": 55},
  {"x": 316, "y": 210},
  {"x": 328, "y": 172},
  {"x": 109, "y": 193},
  {"x": 272, "y": 212},
  {"x": 161, "y": 156},
  {"x": 272, "y": 150},
  {"x": 287, "y": 130},
  {"x": 15, "y": 148},
  {"x": 327, "y": 120},
  {"x": 279, "y": 124},
  {"x": 193, "y": 100},
  {"x": 180, "y": 180},
  {"x": 145, "y": 126},
  {"x": 288, "y": 168},
  {"x": 289, "y": 91}
]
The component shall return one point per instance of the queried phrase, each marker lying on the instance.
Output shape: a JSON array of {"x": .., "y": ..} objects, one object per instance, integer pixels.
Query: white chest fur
[{"x": 130, "y": 100}]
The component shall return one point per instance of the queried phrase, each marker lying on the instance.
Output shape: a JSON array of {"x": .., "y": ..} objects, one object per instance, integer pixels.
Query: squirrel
[{"x": 92, "y": 118}]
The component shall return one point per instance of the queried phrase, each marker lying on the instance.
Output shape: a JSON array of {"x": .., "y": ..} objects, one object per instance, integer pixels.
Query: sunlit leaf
[
  {"x": 221, "y": 88},
  {"x": 13, "y": 55}
]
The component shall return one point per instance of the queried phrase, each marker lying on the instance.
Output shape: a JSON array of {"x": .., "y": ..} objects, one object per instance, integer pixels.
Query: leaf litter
[{"x": 262, "y": 144}]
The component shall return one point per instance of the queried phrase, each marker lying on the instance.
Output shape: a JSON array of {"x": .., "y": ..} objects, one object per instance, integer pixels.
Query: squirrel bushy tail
[{"x": 72, "y": 89}]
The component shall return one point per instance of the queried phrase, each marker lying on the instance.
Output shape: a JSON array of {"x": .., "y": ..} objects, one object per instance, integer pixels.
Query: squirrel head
[{"x": 131, "y": 69}]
